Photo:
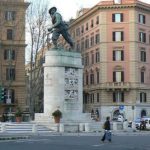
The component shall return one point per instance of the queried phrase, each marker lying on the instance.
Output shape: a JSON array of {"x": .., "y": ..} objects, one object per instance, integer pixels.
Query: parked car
[{"x": 139, "y": 122}]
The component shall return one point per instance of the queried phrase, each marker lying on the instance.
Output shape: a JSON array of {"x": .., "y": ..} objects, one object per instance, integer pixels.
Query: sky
[{"x": 68, "y": 8}]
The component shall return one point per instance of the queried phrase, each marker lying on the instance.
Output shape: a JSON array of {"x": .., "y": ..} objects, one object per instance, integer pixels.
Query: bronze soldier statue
[{"x": 59, "y": 27}]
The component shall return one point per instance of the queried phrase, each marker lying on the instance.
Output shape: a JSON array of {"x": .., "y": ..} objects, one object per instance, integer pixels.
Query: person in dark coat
[
  {"x": 107, "y": 133},
  {"x": 59, "y": 27}
]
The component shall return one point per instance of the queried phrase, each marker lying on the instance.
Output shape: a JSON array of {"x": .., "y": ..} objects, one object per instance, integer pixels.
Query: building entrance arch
[{"x": 143, "y": 113}]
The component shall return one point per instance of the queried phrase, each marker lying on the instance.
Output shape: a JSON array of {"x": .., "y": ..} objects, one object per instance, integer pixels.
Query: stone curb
[{"x": 14, "y": 138}]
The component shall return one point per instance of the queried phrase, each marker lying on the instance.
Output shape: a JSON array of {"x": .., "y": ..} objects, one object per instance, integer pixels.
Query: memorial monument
[{"x": 63, "y": 80}]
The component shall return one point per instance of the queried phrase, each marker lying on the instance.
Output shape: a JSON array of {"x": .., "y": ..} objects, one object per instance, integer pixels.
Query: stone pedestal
[{"x": 63, "y": 87}]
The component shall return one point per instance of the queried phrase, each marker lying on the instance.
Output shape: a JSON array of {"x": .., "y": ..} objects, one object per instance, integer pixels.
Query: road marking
[{"x": 98, "y": 145}]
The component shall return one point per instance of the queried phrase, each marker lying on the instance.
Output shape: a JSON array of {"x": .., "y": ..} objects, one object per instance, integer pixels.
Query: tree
[{"x": 37, "y": 20}]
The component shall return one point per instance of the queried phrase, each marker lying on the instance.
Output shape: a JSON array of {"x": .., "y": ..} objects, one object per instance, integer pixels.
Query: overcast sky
[{"x": 68, "y": 8}]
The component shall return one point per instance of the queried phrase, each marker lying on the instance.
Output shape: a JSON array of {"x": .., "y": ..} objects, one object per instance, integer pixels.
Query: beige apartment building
[
  {"x": 114, "y": 40},
  {"x": 12, "y": 54}
]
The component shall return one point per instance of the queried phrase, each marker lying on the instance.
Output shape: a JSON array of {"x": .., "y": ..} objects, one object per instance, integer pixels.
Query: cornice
[
  {"x": 14, "y": 4},
  {"x": 140, "y": 6}
]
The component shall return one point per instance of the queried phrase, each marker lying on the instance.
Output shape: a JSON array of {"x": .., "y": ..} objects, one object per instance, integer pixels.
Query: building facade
[
  {"x": 12, "y": 55},
  {"x": 114, "y": 40}
]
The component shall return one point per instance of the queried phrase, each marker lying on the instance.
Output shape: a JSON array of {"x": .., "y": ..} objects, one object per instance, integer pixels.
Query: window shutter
[
  {"x": 122, "y": 97},
  {"x": 13, "y": 54},
  {"x": 144, "y": 37},
  {"x": 139, "y": 18},
  {"x": 114, "y": 56},
  {"x": 12, "y": 96},
  {"x": 5, "y": 54},
  {"x": 122, "y": 36},
  {"x": 122, "y": 55},
  {"x": 145, "y": 57},
  {"x": 114, "y": 97},
  {"x": 113, "y": 36},
  {"x": 144, "y": 20},
  {"x": 114, "y": 76},
  {"x": 145, "y": 97},
  {"x": 121, "y": 17},
  {"x": 122, "y": 76},
  {"x": 141, "y": 97},
  {"x": 113, "y": 17}
]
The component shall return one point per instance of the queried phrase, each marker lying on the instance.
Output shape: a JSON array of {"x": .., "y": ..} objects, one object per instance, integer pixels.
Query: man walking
[
  {"x": 107, "y": 133},
  {"x": 59, "y": 27}
]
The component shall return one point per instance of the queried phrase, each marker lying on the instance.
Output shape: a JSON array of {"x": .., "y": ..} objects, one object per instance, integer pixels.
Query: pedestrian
[
  {"x": 107, "y": 132},
  {"x": 58, "y": 28}
]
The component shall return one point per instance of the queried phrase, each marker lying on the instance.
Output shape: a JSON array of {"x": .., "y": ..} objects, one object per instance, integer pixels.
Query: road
[{"x": 119, "y": 142}]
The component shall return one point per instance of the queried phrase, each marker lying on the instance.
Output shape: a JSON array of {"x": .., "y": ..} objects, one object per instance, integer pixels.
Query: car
[{"x": 137, "y": 122}]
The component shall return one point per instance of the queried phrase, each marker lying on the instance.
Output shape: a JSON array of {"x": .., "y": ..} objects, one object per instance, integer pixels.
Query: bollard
[
  {"x": 87, "y": 127},
  {"x": 81, "y": 127},
  {"x": 125, "y": 125},
  {"x": 3, "y": 127},
  {"x": 34, "y": 128},
  {"x": 61, "y": 127},
  {"x": 115, "y": 126},
  {"x": 133, "y": 126}
]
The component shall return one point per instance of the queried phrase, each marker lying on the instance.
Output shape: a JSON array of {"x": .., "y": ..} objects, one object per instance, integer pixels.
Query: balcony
[{"x": 111, "y": 86}]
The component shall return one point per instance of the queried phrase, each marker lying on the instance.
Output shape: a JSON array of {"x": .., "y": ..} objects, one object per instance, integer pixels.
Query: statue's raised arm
[{"x": 59, "y": 27}]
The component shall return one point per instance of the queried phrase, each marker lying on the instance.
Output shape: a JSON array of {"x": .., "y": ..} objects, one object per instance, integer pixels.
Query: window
[
  {"x": 87, "y": 79},
  {"x": 92, "y": 41},
  {"x": 82, "y": 60},
  {"x": 142, "y": 37},
  {"x": 97, "y": 77},
  {"x": 142, "y": 76},
  {"x": 143, "y": 56},
  {"x": 143, "y": 97},
  {"x": 10, "y": 73},
  {"x": 118, "y": 55},
  {"x": 9, "y": 96},
  {"x": 118, "y": 36},
  {"x": 9, "y": 54},
  {"x": 118, "y": 96},
  {"x": 9, "y": 34},
  {"x": 97, "y": 56},
  {"x": 87, "y": 26},
  {"x": 91, "y": 78},
  {"x": 78, "y": 47},
  {"x": 118, "y": 76},
  {"x": 82, "y": 45},
  {"x": 97, "y": 97},
  {"x": 92, "y": 58},
  {"x": 82, "y": 29},
  {"x": 10, "y": 15},
  {"x": 118, "y": 17},
  {"x": 78, "y": 32},
  {"x": 92, "y": 98},
  {"x": 97, "y": 20},
  {"x": 86, "y": 60},
  {"x": 97, "y": 39},
  {"x": 142, "y": 19},
  {"x": 86, "y": 43},
  {"x": 92, "y": 23}
]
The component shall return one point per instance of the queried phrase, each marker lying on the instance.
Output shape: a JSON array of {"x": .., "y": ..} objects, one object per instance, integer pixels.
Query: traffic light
[{"x": 2, "y": 93}]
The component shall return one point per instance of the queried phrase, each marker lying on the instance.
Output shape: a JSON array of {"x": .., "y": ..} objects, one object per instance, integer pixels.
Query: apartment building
[
  {"x": 114, "y": 40},
  {"x": 12, "y": 54}
]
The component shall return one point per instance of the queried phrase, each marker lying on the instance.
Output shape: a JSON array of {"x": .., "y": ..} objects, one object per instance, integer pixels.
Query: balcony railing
[{"x": 117, "y": 85}]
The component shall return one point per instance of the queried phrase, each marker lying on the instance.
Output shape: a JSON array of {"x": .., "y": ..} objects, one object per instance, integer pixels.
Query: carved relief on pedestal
[{"x": 71, "y": 83}]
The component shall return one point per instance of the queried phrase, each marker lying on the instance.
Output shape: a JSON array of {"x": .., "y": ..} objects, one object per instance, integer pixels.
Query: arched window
[{"x": 143, "y": 113}]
